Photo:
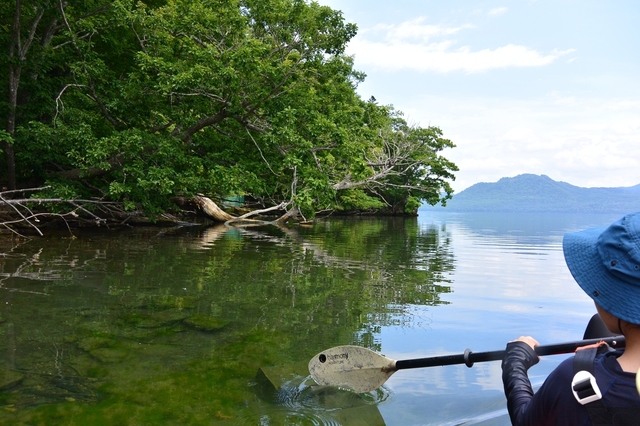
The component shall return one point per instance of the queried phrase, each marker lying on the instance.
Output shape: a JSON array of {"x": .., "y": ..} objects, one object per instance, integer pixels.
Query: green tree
[
  {"x": 37, "y": 37},
  {"x": 143, "y": 101}
]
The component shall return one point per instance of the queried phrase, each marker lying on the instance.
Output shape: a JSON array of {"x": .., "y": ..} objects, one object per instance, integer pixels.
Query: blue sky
[{"x": 520, "y": 86}]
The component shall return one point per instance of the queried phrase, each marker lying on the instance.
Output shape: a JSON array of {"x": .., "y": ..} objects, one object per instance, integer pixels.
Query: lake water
[{"x": 212, "y": 325}]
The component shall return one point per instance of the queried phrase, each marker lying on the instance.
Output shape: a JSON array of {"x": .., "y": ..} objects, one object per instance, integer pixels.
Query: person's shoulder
[
  {"x": 565, "y": 368},
  {"x": 618, "y": 386},
  {"x": 610, "y": 356},
  {"x": 562, "y": 375},
  {"x": 609, "y": 363}
]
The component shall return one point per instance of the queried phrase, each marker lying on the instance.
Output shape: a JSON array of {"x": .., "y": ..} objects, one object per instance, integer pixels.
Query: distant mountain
[
  {"x": 635, "y": 189},
  {"x": 533, "y": 193}
]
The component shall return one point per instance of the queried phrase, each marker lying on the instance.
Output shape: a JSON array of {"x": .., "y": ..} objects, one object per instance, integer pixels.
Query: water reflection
[
  {"x": 162, "y": 326},
  {"x": 156, "y": 326},
  {"x": 525, "y": 228},
  {"x": 509, "y": 279}
]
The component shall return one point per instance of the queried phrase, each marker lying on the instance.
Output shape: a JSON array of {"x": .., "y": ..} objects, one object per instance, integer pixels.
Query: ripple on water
[
  {"x": 285, "y": 416},
  {"x": 309, "y": 395},
  {"x": 306, "y": 403}
]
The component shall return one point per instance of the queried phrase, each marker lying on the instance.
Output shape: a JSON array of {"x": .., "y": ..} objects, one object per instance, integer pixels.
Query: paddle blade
[{"x": 351, "y": 367}]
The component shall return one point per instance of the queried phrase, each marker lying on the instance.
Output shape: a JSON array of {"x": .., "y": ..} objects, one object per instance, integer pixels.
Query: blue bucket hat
[{"x": 606, "y": 264}]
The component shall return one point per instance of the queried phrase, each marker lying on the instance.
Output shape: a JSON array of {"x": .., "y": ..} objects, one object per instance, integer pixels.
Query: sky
[{"x": 519, "y": 86}]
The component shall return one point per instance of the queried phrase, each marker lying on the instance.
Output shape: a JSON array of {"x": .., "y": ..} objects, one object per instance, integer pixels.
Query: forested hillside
[
  {"x": 141, "y": 102},
  {"x": 533, "y": 193}
]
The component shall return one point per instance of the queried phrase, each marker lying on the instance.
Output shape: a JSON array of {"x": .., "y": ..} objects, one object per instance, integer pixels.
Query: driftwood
[
  {"x": 21, "y": 214},
  {"x": 25, "y": 215},
  {"x": 213, "y": 211}
]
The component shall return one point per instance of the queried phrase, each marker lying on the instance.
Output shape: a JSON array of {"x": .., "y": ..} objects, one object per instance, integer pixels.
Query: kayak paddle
[{"x": 363, "y": 370}]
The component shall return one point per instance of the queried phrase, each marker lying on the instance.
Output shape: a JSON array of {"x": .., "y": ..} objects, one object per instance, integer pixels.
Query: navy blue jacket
[{"x": 554, "y": 403}]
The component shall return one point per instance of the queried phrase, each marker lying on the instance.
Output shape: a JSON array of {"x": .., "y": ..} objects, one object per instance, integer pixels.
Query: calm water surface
[{"x": 211, "y": 325}]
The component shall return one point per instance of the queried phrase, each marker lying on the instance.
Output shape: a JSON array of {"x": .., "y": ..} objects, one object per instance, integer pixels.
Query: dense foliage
[{"x": 140, "y": 101}]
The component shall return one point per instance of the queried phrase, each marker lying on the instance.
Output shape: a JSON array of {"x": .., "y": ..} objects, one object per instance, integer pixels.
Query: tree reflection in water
[{"x": 149, "y": 321}]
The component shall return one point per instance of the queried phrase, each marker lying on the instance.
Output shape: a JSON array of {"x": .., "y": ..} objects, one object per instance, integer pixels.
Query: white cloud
[
  {"x": 414, "y": 45},
  {"x": 414, "y": 29},
  {"x": 497, "y": 11},
  {"x": 440, "y": 57},
  {"x": 588, "y": 142}
]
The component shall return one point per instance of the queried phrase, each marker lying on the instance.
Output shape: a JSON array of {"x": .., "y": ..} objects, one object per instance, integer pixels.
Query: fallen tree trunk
[
  {"x": 211, "y": 209},
  {"x": 17, "y": 213}
]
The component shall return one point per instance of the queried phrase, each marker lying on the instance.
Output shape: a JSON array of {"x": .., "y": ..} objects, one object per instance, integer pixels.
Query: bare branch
[
  {"x": 66, "y": 23},
  {"x": 393, "y": 158},
  {"x": 140, "y": 40},
  {"x": 59, "y": 102},
  {"x": 42, "y": 188},
  {"x": 280, "y": 206},
  {"x": 32, "y": 32},
  {"x": 261, "y": 155},
  {"x": 216, "y": 98},
  {"x": 75, "y": 204},
  {"x": 49, "y": 32},
  {"x": 318, "y": 165},
  {"x": 24, "y": 219},
  {"x": 200, "y": 42},
  {"x": 102, "y": 106},
  {"x": 292, "y": 213}
]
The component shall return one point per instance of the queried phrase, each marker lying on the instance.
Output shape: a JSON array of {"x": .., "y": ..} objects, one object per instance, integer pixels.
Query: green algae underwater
[{"x": 202, "y": 325}]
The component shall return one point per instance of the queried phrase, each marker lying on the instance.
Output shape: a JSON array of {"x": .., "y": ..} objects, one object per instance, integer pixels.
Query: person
[{"x": 606, "y": 265}]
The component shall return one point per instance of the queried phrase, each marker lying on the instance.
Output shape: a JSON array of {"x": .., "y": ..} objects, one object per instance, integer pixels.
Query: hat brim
[{"x": 586, "y": 266}]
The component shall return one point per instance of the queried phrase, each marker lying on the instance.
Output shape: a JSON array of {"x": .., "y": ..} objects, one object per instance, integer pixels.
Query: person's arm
[{"x": 519, "y": 357}]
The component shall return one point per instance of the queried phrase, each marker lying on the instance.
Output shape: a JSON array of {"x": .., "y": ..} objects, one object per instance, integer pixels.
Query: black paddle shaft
[{"x": 469, "y": 358}]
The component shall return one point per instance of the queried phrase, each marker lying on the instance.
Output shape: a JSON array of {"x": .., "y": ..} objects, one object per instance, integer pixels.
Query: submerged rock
[
  {"x": 90, "y": 344},
  {"x": 204, "y": 323},
  {"x": 170, "y": 301},
  {"x": 9, "y": 379},
  {"x": 140, "y": 320},
  {"x": 169, "y": 317},
  {"x": 109, "y": 355}
]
